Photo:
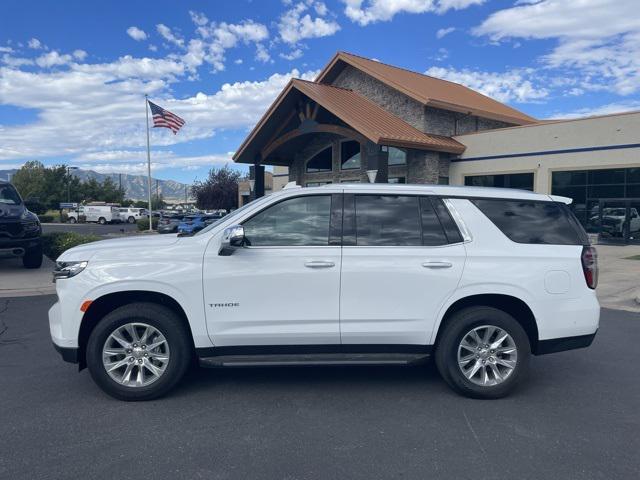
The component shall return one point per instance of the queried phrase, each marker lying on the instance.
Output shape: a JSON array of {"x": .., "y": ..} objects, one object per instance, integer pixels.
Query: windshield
[
  {"x": 233, "y": 214},
  {"x": 9, "y": 195}
]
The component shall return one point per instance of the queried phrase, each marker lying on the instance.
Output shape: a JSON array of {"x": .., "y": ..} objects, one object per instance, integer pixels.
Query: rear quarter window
[{"x": 535, "y": 222}]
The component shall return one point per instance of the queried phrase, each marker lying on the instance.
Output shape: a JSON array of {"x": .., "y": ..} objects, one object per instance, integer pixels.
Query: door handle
[
  {"x": 437, "y": 264},
  {"x": 319, "y": 264}
]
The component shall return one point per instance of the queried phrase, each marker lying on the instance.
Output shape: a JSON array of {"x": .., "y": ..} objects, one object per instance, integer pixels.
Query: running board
[{"x": 312, "y": 359}]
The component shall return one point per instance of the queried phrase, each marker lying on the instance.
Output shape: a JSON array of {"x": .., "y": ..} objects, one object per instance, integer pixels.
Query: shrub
[
  {"x": 53, "y": 244},
  {"x": 143, "y": 224},
  {"x": 45, "y": 218}
]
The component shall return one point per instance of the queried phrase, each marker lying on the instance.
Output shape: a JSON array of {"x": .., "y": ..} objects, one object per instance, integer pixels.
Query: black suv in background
[{"x": 20, "y": 230}]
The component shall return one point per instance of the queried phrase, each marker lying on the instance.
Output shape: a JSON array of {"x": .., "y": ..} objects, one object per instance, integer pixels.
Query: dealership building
[{"x": 365, "y": 121}]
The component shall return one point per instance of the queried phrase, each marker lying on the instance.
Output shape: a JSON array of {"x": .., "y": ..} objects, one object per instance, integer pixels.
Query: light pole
[{"x": 69, "y": 182}]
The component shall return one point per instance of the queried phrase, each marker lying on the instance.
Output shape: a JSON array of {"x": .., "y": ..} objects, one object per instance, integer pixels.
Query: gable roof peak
[{"x": 426, "y": 89}]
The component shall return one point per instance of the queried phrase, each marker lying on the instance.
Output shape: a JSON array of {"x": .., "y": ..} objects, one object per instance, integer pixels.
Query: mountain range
[{"x": 135, "y": 186}]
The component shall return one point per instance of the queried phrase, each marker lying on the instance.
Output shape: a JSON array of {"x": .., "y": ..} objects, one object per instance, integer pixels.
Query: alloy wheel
[
  {"x": 135, "y": 354},
  {"x": 487, "y": 355}
]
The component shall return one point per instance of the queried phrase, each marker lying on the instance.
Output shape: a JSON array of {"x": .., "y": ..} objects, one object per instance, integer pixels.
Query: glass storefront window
[
  {"x": 397, "y": 156},
  {"x": 523, "y": 181},
  {"x": 321, "y": 161},
  {"x": 350, "y": 154}
]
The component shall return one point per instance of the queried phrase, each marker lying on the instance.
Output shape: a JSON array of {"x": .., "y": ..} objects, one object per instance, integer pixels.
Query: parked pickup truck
[
  {"x": 479, "y": 278},
  {"x": 20, "y": 230}
]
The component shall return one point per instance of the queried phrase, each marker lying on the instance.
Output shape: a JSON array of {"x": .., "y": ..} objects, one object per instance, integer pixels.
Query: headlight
[{"x": 68, "y": 269}]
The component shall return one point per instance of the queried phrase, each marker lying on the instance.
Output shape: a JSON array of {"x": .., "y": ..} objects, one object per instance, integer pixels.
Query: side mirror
[{"x": 232, "y": 238}]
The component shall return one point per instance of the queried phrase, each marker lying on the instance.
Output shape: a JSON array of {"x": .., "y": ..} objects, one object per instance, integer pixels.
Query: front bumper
[
  {"x": 69, "y": 354},
  {"x": 8, "y": 243}
]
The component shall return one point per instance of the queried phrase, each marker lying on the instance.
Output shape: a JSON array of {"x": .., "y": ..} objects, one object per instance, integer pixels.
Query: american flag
[{"x": 164, "y": 118}]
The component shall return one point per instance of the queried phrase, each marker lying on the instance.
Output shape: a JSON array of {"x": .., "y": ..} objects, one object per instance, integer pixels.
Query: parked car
[
  {"x": 101, "y": 214},
  {"x": 194, "y": 223},
  {"x": 20, "y": 230},
  {"x": 479, "y": 278},
  {"x": 613, "y": 220},
  {"x": 169, "y": 224},
  {"x": 131, "y": 215}
]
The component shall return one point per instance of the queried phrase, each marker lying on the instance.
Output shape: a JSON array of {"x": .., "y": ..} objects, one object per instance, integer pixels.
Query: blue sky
[{"x": 73, "y": 74}]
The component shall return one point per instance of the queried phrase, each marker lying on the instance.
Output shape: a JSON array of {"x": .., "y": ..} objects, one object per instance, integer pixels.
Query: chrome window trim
[{"x": 464, "y": 231}]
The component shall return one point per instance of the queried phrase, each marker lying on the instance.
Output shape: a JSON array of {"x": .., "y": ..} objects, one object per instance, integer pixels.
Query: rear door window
[
  {"x": 536, "y": 222},
  {"x": 387, "y": 220}
]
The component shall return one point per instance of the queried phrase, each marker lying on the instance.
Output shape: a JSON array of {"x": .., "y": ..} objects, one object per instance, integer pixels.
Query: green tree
[
  {"x": 29, "y": 180},
  {"x": 219, "y": 191}
]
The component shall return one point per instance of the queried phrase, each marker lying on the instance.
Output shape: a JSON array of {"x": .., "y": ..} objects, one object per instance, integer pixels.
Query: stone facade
[{"x": 422, "y": 166}]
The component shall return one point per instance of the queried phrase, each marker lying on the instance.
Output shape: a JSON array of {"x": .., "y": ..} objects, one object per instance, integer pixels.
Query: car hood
[{"x": 146, "y": 242}]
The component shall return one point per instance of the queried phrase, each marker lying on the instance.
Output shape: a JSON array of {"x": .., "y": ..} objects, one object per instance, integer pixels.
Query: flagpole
[{"x": 146, "y": 109}]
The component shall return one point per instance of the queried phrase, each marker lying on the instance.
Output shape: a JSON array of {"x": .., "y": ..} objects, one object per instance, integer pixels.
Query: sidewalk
[
  {"x": 619, "y": 282},
  {"x": 618, "y": 285},
  {"x": 17, "y": 281}
]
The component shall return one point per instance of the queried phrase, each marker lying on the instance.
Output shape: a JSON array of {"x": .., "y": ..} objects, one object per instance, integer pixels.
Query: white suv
[{"x": 480, "y": 278}]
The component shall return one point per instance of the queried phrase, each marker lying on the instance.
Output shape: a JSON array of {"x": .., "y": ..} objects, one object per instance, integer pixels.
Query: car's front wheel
[
  {"x": 139, "y": 351},
  {"x": 131, "y": 220},
  {"x": 483, "y": 352}
]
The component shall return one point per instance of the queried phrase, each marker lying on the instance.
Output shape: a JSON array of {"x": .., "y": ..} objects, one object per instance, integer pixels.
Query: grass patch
[
  {"x": 633, "y": 257},
  {"x": 53, "y": 244}
]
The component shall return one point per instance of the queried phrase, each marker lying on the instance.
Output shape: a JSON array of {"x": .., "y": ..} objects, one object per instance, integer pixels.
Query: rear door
[{"x": 402, "y": 258}]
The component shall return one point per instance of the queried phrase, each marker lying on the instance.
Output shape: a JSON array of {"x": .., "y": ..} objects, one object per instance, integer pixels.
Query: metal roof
[
  {"x": 373, "y": 121},
  {"x": 364, "y": 116},
  {"x": 427, "y": 90}
]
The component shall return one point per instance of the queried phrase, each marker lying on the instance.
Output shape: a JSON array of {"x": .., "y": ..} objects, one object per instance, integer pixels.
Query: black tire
[
  {"x": 32, "y": 257},
  {"x": 131, "y": 220},
  {"x": 460, "y": 324},
  {"x": 102, "y": 220},
  {"x": 163, "y": 319},
  {"x": 72, "y": 220}
]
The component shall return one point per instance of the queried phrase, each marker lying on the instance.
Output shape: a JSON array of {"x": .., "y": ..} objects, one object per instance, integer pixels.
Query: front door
[
  {"x": 403, "y": 257},
  {"x": 283, "y": 288}
]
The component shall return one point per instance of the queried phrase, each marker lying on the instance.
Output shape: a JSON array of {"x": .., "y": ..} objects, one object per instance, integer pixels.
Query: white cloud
[
  {"x": 79, "y": 54},
  {"x": 511, "y": 86},
  {"x": 92, "y": 108},
  {"x": 607, "y": 109},
  {"x": 135, "y": 161},
  {"x": 238, "y": 61},
  {"x": 292, "y": 55},
  {"x": 136, "y": 33},
  {"x": 213, "y": 39},
  {"x": 6, "y": 50},
  {"x": 53, "y": 59},
  {"x": 34, "y": 44},
  {"x": 168, "y": 35},
  {"x": 153, "y": 48},
  {"x": 365, "y": 12},
  {"x": 296, "y": 24},
  {"x": 262, "y": 54},
  {"x": 443, "y": 32},
  {"x": 599, "y": 38}
]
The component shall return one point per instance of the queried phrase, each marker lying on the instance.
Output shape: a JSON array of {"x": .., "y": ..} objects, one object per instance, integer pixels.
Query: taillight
[{"x": 590, "y": 266}]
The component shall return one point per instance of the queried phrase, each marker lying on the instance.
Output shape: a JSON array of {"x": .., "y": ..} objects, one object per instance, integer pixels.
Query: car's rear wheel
[
  {"x": 483, "y": 352},
  {"x": 102, "y": 220},
  {"x": 139, "y": 351},
  {"x": 32, "y": 257},
  {"x": 131, "y": 220}
]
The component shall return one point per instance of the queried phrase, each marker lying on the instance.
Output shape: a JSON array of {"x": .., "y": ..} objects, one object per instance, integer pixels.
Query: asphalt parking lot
[
  {"x": 576, "y": 417},
  {"x": 91, "y": 228}
]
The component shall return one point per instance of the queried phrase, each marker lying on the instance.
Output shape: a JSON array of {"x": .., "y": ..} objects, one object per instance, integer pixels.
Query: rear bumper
[
  {"x": 555, "y": 345},
  {"x": 69, "y": 354}
]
